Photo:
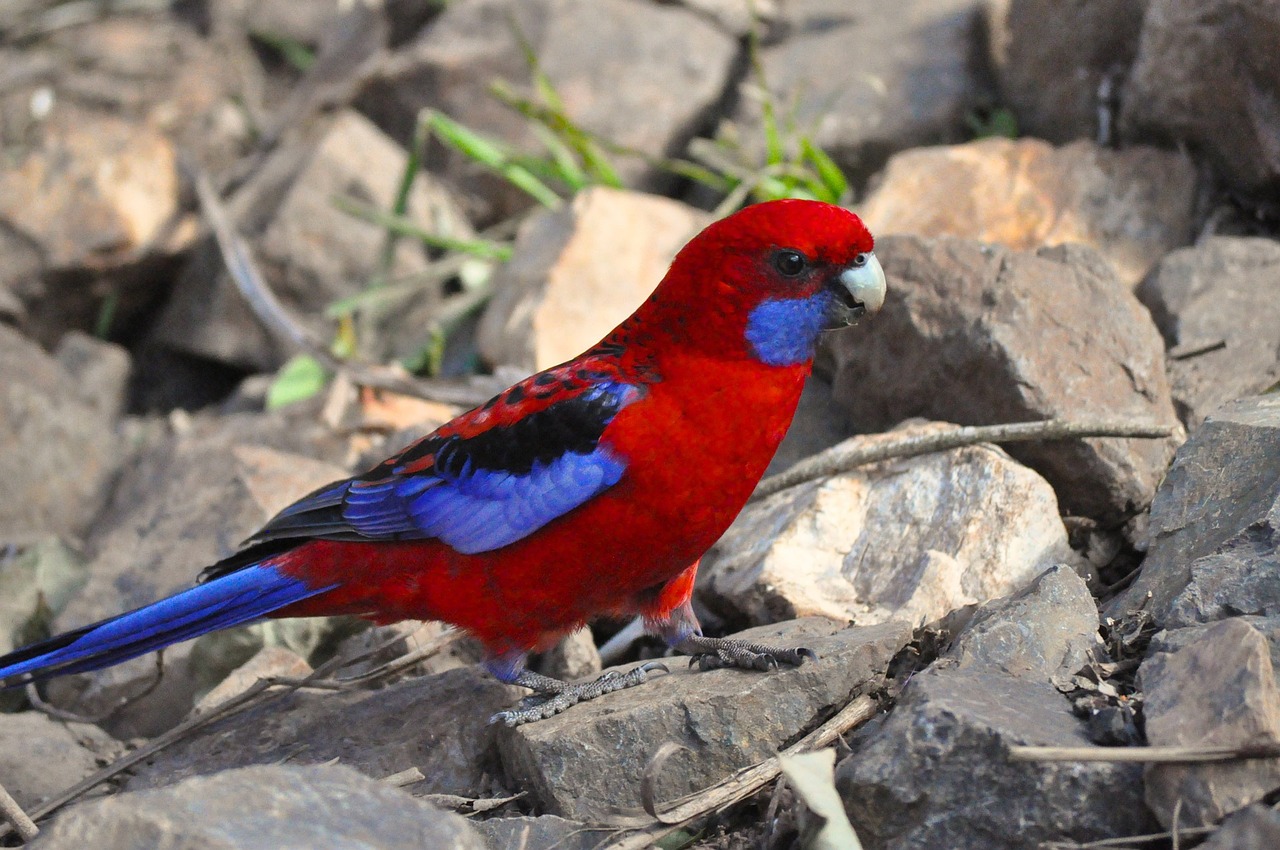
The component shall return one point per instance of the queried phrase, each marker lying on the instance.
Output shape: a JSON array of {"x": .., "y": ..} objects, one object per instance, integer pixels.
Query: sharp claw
[
  {"x": 805, "y": 652},
  {"x": 652, "y": 666}
]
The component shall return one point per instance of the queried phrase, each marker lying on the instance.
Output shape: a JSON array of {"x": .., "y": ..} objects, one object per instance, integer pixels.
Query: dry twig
[
  {"x": 1146, "y": 755},
  {"x": 859, "y": 451},
  {"x": 13, "y": 813}
]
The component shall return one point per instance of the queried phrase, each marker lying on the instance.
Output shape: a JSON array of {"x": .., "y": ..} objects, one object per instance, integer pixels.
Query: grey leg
[
  {"x": 711, "y": 653},
  {"x": 552, "y": 696}
]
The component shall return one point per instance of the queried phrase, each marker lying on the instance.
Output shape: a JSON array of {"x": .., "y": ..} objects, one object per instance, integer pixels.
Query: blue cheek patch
[{"x": 784, "y": 332}]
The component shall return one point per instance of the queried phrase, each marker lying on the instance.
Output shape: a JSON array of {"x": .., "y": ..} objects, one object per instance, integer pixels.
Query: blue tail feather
[{"x": 230, "y": 600}]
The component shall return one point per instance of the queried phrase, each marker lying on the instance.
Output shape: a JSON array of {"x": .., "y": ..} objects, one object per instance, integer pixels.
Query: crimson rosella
[{"x": 591, "y": 488}]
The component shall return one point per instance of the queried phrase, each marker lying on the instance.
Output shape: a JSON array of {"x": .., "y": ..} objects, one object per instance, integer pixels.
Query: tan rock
[
  {"x": 909, "y": 540},
  {"x": 578, "y": 272},
  {"x": 1133, "y": 206},
  {"x": 269, "y": 661}
]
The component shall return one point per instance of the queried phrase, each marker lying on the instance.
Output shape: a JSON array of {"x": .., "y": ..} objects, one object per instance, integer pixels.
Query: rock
[
  {"x": 1218, "y": 690},
  {"x": 1221, "y": 292},
  {"x": 1043, "y": 632},
  {"x": 977, "y": 334},
  {"x": 1254, "y": 827},
  {"x": 546, "y": 832},
  {"x": 1214, "y": 542},
  {"x": 575, "y": 657},
  {"x": 910, "y": 540},
  {"x": 182, "y": 505},
  {"x": 40, "y": 757},
  {"x": 1205, "y": 75},
  {"x": 937, "y": 772},
  {"x": 281, "y": 807},
  {"x": 1059, "y": 66},
  {"x": 438, "y": 724},
  {"x": 57, "y": 418},
  {"x": 862, "y": 84},
  {"x": 270, "y": 661},
  {"x": 36, "y": 583},
  {"x": 738, "y": 17},
  {"x": 819, "y": 424},
  {"x": 586, "y": 764},
  {"x": 589, "y": 51},
  {"x": 580, "y": 271},
  {"x": 1133, "y": 206},
  {"x": 312, "y": 253}
]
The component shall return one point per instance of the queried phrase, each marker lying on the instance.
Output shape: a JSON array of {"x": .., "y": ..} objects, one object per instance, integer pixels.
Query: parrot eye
[
  {"x": 790, "y": 263},
  {"x": 860, "y": 260}
]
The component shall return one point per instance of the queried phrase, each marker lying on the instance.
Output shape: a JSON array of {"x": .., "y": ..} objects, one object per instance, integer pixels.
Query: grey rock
[
  {"x": 864, "y": 84},
  {"x": 978, "y": 334},
  {"x": 589, "y": 51},
  {"x": 586, "y": 764},
  {"x": 937, "y": 772},
  {"x": 1052, "y": 58},
  {"x": 36, "y": 583},
  {"x": 1214, "y": 535},
  {"x": 966, "y": 526},
  {"x": 1206, "y": 75},
  {"x": 1217, "y": 689},
  {"x": 1221, "y": 292},
  {"x": 59, "y": 445},
  {"x": 438, "y": 724},
  {"x": 1045, "y": 632},
  {"x": 575, "y": 657},
  {"x": 819, "y": 423},
  {"x": 40, "y": 757},
  {"x": 546, "y": 832},
  {"x": 263, "y": 808},
  {"x": 1254, "y": 827}
]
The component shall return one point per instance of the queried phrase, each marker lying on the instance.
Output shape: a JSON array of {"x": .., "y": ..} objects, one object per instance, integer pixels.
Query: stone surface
[
  {"x": 1044, "y": 632},
  {"x": 1133, "y": 205},
  {"x": 1220, "y": 291},
  {"x": 589, "y": 51},
  {"x": 580, "y": 271},
  {"x": 1217, "y": 690},
  {"x": 1214, "y": 534},
  {"x": 1206, "y": 74},
  {"x": 40, "y": 757},
  {"x": 586, "y": 764},
  {"x": 937, "y": 772},
  {"x": 910, "y": 540},
  {"x": 438, "y": 724},
  {"x": 59, "y": 446},
  {"x": 863, "y": 84},
  {"x": 978, "y": 334},
  {"x": 311, "y": 252},
  {"x": 546, "y": 832},
  {"x": 575, "y": 657},
  {"x": 36, "y": 583},
  {"x": 1254, "y": 827},
  {"x": 268, "y": 662},
  {"x": 185, "y": 502},
  {"x": 1056, "y": 61},
  {"x": 819, "y": 424},
  {"x": 281, "y": 807}
]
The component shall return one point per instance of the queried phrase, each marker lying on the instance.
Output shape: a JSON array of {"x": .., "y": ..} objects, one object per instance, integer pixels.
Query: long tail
[{"x": 230, "y": 600}]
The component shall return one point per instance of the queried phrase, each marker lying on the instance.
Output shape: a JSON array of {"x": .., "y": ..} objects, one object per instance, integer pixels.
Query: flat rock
[
  {"x": 978, "y": 334},
  {"x": 1214, "y": 540},
  {"x": 1055, "y": 61},
  {"x": 546, "y": 832},
  {"x": 1216, "y": 690},
  {"x": 311, "y": 252},
  {"x": 438, "y": 724},
  {"x": 587, "y": 763},
  {"x": 1043, "y": 632},
  {"x": 589, "y": 51},
  {"x": 862, "y": 84},
  {"x": 59, "y": 446},
  {"x": 937, "y": 772},
  {"x": 1132, "y": 205},
  {"x": 281, "y": 807},
  {"x": 1254, "y": 827},
  {"x": 1215, "y": 305},
  {"x": 1206, "y": 74},
  {"x": 580, "y": 271},
  {"x": 910, "y": 540},
  {"x": 40, "y": 757}
]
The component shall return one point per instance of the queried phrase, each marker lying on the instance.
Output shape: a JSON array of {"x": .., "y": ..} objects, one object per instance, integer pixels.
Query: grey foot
[
  {"x": 713, "y": 653},
  {"x": 554, "y": 696}
]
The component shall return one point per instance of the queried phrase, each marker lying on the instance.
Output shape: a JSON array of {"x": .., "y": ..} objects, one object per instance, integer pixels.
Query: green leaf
[
  {"x": 833, "y": 179},
  {"x": 291, "y": 50},
  {"x": 298, "y": 380}
]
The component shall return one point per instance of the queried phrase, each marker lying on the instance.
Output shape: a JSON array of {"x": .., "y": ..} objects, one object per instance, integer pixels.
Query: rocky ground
[{"x": 1115, "y": 259}]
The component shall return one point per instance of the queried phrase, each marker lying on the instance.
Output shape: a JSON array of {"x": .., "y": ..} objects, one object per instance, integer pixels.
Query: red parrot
[{"x": 591, "y": 488}]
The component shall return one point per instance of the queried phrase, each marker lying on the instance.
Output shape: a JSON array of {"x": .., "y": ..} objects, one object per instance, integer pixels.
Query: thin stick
[
  {"x": 13, "y": 813},
  {"x": 747, "y": 781},
  {"x": 1130, "y": 840},
  {"x": 1145, "y": 755},
  {"x": 859, "y": 451}
]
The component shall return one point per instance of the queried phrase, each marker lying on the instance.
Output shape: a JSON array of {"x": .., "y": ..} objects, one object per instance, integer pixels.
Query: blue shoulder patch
[{"x": 784, "y": 332}]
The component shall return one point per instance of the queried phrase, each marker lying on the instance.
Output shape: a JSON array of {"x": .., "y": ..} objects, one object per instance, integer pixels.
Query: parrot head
[{"x": 768, "y": 280}]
